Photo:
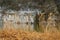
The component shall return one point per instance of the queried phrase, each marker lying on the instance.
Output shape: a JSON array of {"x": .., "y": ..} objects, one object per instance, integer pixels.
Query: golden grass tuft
[{"x": 13, "y": 34}]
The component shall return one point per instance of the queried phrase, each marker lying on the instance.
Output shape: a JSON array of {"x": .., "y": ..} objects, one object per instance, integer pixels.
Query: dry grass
[{"x": 25, "y": 35}]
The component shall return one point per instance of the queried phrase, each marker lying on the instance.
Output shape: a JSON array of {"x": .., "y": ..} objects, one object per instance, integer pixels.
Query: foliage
[{"x": 9, "y": 4}]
